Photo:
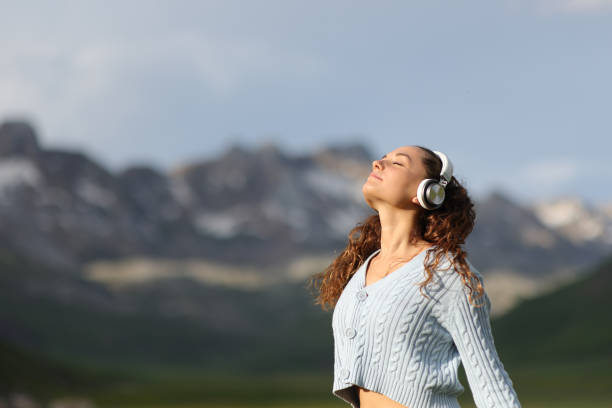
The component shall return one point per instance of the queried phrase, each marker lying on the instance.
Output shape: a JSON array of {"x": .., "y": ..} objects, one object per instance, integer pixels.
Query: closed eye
[{"x": 398, "y": 163}]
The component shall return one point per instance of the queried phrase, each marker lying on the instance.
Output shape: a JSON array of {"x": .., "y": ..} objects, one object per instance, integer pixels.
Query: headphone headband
[{"x": 447, "y": 168}]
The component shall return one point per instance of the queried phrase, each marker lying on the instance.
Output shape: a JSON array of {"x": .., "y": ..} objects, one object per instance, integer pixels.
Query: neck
[{"x": 400, "y": 237}]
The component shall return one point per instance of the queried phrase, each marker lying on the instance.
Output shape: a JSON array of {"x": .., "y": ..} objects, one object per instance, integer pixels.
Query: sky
[{"x": 516, "y": 93}]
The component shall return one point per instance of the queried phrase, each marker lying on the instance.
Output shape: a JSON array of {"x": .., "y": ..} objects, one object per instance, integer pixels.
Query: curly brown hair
[{"x": 446, "y": 228}]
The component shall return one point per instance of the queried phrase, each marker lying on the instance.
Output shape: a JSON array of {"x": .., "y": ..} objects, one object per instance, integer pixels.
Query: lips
[{"x": 375, "y": 176}]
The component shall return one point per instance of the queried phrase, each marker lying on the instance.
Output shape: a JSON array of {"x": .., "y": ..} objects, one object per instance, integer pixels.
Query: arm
[{"x": 470, "y": 328}]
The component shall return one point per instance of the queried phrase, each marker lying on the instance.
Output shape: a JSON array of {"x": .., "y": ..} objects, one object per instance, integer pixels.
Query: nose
[{"x": 376, "y": 164}]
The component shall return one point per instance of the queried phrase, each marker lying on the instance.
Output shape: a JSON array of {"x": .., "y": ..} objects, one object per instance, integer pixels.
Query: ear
[{"x": 415, "y": 200}]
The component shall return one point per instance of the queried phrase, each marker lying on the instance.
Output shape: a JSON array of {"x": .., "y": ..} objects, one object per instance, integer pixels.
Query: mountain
[
  {"x": 508, "y": 236},
  {"x": 212, "y": 256},
  {"x": 64, "y": 209},
  {"x": 576, "y": 219},
  {"x": 255, "y": 208}
]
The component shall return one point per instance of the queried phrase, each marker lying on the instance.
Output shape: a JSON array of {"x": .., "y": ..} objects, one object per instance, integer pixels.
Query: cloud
[
  {"x": 550, "y": 172},
  {"x": 562, "y": 172},
  {"x": 222, "y": 65},
  {"x": 569, "y": 6},
  {"x": 73, "y": 88}
]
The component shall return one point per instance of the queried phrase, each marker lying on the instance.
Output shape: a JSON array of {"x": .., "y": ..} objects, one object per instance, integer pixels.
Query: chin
[
  {"x": 366, "y": 187},
  {"x": 369, "y": 202}
]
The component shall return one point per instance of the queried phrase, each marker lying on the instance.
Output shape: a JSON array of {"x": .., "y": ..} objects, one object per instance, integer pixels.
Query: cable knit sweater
[{"x": 391, "y": 339}]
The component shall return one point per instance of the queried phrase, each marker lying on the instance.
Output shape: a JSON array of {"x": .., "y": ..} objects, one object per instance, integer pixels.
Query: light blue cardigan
[{"x": 391, "y": 339}]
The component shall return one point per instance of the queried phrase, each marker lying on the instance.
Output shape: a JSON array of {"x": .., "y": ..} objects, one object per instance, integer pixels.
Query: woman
[{"x": 404, "y": 294}]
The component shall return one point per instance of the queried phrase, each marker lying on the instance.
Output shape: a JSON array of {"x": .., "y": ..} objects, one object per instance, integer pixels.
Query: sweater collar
[{"x": 415, "y": 264}]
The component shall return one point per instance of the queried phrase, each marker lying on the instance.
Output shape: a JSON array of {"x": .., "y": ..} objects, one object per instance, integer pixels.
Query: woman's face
[{"x": 395, "y": 178}]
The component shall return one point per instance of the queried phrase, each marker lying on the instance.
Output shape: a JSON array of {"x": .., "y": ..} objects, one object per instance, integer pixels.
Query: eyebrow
[{"x": 403, "y": 154}]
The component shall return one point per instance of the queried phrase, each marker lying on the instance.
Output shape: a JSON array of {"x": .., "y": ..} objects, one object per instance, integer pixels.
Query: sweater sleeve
[{"x": 470, "y": 328}]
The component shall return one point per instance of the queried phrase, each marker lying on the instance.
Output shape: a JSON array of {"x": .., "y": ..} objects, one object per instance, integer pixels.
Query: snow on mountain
[
  {"x": 575, "y": 219},
  {"x": 15, "y": 172}
]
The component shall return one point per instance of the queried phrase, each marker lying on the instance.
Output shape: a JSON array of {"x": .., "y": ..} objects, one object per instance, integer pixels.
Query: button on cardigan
[{"x": 390, "y": 339}]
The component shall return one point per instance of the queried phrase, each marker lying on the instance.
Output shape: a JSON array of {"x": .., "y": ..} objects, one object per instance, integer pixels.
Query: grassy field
[{"x": 584, "y": 385}]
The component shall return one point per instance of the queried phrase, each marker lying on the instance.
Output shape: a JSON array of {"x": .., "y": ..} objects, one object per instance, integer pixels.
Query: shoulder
[
  {"x": 459, "y": 299},
  {"x": 447, "y": 270}
]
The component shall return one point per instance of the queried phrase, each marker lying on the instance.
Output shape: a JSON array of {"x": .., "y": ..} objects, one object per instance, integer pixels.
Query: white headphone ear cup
[
  {"x": 421, "y": 193},
  {"x": 435, "y": 194}
]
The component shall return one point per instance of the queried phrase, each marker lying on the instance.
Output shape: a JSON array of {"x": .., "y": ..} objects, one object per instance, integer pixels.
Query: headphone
[{"x": 431, "y": 192}]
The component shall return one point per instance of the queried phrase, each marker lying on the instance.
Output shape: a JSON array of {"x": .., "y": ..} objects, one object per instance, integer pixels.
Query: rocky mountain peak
[{"x": 18, "y": 138}]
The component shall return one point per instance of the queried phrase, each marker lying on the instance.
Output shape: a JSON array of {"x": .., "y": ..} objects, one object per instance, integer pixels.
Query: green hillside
[
  {"x": 572, "y": 323},
  {"x": 26, "y": 371},
  {"x": 70, "y": 330}
]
